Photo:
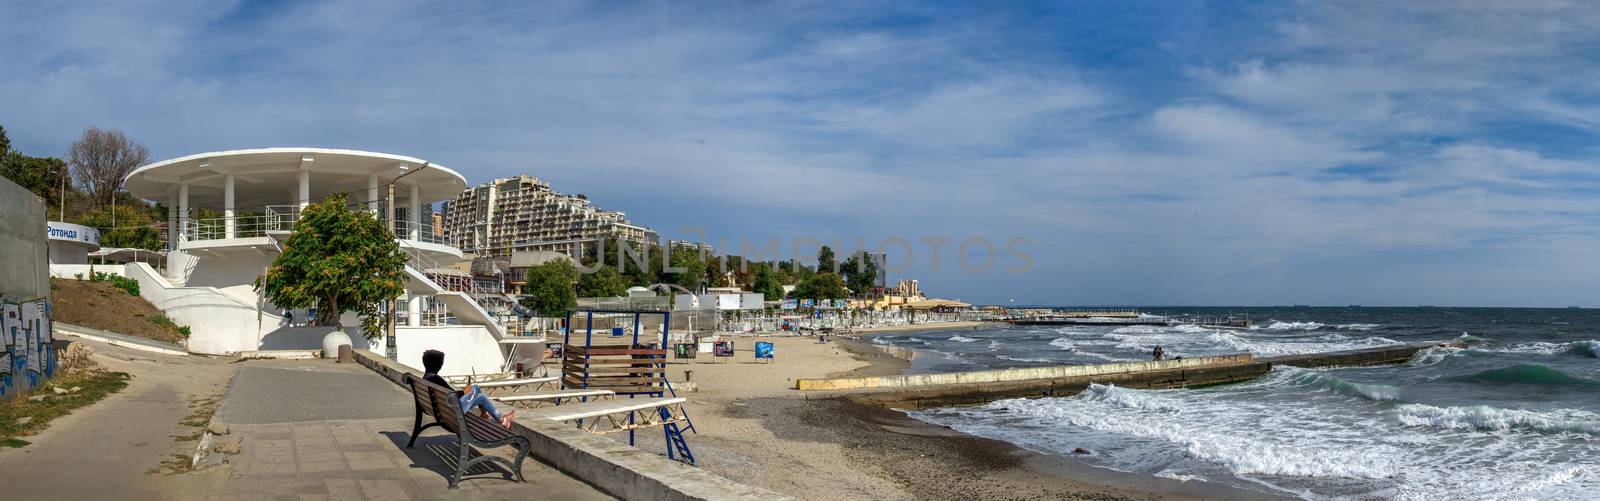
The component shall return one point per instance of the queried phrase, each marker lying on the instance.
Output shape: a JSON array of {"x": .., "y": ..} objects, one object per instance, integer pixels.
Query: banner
[
  {"x": 763, "y": 350},
  {"x": 723, "y": 348}
]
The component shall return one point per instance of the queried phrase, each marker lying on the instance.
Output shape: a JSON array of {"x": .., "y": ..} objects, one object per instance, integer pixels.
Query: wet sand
[{"x": 754, "y": 427}]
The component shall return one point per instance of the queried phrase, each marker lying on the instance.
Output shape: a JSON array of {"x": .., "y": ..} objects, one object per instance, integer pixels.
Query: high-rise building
[
  {"x": 523, "y": 214},
  {"x": 881, "y": 260}
]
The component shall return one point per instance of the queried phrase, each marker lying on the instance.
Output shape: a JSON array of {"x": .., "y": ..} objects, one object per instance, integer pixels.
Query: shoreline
[
  {"x": 1013, "y": 472},
  {"x": 754, "y": 427},
  {"x": 936, "y": 326}
]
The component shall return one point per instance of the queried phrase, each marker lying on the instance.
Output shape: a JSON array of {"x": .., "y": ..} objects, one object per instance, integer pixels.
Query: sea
[{"x": 1513, "y": 415}]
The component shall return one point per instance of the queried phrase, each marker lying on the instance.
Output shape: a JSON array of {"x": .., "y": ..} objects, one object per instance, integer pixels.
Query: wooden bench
[{"x": 471, "y": 429}]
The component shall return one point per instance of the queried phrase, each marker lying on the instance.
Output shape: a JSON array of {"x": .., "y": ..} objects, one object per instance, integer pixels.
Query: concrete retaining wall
[
  {"x": 24, "y": 255},
  {"x": 1018, "y": 374},
  {"x": 71, "y": 271},
  {"x": 608, "y": 465}
]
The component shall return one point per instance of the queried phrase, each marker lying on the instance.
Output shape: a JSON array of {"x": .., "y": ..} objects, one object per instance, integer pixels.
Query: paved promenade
[
  {"x": 313, "y": 429},
  {"x": 308, "y": 429}
]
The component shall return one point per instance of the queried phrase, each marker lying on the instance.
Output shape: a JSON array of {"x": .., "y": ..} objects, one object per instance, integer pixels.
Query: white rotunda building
[{"x": 230, "y": 213}]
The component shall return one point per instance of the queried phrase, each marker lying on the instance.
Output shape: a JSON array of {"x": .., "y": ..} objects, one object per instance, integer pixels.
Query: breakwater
[{"x": 917, "y": 391}]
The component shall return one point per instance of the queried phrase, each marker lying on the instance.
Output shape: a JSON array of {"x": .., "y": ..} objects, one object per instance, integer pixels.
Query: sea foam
[{"x": 1483, "y": 417}]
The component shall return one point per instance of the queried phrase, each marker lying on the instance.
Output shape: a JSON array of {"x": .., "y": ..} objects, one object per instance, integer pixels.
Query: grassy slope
[{"x": 99, "y": 305}]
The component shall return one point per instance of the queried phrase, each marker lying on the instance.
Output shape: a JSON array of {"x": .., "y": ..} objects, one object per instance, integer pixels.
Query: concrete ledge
[
  {"x": 1019, "y": 374},
  {"x": 920, "y": 397},
  {"x": 1394, "y": 354},
  {"x": 280, "y": 354},
  {"x": 612, "y": 467},
  {"x": 122, "y": 340}
]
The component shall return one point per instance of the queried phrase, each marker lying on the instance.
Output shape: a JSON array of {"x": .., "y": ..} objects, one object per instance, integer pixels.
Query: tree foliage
[
  {"x": 767, "y": 284},
  {"x": 337, "y": 260},
  {"x": 548, "y": 290},
  {"x": 40, "y": 175},
  {"x": 825, "y": 260},
  {"x": 604, "y": 282},
  {"x": 821, "y": 286},
  {"x": 860, "y": 272},
  {"x": 100, "y": 158},
  {"x": 133, "y": 227}
]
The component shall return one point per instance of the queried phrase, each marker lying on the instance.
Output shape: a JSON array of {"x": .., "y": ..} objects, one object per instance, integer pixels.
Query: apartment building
[{"x": 522, "y": 213}]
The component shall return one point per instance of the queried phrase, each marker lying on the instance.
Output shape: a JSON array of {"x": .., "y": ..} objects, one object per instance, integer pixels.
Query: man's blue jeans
[{"x": 478, "y": 399}]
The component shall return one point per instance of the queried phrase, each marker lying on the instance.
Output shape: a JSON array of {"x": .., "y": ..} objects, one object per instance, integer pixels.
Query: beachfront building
[
  {"x": 508, "y": 215},
  {"x": 232, "y": 212},
  {"x": 881, "y": 260},
  {"x": 71, "y": 243}
]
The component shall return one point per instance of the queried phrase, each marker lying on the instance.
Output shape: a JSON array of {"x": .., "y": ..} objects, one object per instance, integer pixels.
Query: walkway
[
  {"x": 313, "y": 429},
  {"x": 110, "y": 449}
]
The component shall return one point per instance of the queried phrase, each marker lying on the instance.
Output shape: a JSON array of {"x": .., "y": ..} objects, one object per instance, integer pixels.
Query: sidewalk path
[
  {"x": 314, "y": 429},
  {"x": 107, "y": 450}
]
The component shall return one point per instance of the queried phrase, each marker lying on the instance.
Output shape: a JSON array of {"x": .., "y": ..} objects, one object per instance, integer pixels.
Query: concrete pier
[{"x": 977, "y": 387}]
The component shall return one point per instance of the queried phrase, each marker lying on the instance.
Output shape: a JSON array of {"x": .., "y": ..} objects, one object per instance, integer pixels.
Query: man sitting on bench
[{"x": 433, "y": 360}]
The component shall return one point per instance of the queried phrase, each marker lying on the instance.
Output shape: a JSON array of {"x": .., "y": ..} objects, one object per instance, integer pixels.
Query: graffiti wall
[{"x": 29, "y": 357}]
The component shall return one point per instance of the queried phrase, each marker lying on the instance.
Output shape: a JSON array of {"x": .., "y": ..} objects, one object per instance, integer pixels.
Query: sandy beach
[{"x": 752, "y": 426}]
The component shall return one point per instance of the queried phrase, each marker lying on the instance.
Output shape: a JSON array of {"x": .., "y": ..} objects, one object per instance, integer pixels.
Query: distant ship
[{"x": 1574, "y": 307}]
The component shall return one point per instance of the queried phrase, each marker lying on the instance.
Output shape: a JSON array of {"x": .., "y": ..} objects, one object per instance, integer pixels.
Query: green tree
[
  {"x": 40, "y": 175},
  {"x": 604, "y": 282},
  {"x": 694, "y": 267},
  {"x": 5, "y": 142},
  {"x": 767, "y": 284},
  {"x": 337, "y": 260},
  {"x": 860, "y": 273},
  {"x": 825, "y": 260},
  {"x": 134, "y": 227},
  {"x": 821, "y": 286},
  {"x": 548, "y": 290}
]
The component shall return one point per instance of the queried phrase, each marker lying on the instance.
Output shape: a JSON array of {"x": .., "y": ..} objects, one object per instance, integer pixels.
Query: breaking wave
[
  {"x": 961, "y": 339},
  {"x": 1483, "y": 417},
  {"x": 1529, "y": 374},
  {"x": 1323, "y": 380},
  {"x": 1294, "y": 326},
  {"x": 1157, "y": 417},
  {"x": 1064, "y": 343}
]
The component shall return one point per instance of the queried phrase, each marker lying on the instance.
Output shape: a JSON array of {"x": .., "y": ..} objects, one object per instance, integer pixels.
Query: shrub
[
  {"x": 128, "y": 285},
  {"x": 162, "y": 320}
]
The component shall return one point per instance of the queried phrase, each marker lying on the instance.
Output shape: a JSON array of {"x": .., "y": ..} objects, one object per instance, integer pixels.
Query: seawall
[{"x": 977, "y": 387}]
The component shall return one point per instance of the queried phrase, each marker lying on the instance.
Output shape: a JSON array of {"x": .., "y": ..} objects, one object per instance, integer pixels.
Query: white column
[
  {"x": 414, "y": 311},
  {"x": 183, "y": 208},
  {"x": 305, "y": 188},
  {"x": 230, "y": 231},
  {"x": 173, "y": 230},
  {"x": 416, "y": 212},
  {"x": 372, "y": 193}
]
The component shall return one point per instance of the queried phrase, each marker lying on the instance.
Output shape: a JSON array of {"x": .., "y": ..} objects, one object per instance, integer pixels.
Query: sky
[{"x": 1149, "y": 153}]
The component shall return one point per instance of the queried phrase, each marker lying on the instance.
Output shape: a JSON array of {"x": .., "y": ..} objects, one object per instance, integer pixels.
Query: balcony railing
[{"x": 282, "y": 218}]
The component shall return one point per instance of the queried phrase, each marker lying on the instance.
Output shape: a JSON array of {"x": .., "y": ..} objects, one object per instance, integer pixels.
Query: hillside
[{"x": 101, "y": 306}]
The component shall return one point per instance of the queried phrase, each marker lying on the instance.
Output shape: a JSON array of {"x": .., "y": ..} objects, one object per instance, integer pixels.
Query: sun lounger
[{"x": 551, "y": 397}]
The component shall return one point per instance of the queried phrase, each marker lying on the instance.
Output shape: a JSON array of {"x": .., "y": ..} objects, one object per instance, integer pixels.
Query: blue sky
[{"x": 1149, "y": 152}]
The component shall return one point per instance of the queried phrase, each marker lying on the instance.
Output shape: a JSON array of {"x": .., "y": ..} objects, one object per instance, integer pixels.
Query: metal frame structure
[{"x": 666, "y": 416}]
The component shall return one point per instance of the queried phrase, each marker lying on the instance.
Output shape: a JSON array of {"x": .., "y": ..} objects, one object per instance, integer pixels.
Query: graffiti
[{"x": 29, "y": 356}]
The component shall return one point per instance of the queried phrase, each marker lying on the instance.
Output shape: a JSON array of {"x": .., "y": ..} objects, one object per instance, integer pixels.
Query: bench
[{"x": 471, "y": 429}]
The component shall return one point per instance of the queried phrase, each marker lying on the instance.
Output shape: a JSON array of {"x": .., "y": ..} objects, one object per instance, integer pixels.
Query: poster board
[{"x": 763, "y": 350}]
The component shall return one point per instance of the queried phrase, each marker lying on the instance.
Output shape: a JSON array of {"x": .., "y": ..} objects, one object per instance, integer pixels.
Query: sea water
[{"x": 1515, "y": 415}]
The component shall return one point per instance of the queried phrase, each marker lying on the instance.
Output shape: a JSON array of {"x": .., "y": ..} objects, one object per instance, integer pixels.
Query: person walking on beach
[
  {"x": 433, "y": 360},
  {"x": 1158, "y": 354}
]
